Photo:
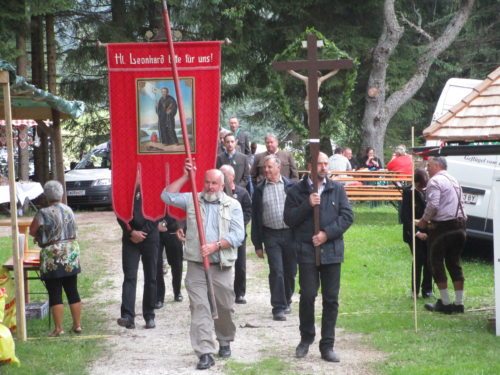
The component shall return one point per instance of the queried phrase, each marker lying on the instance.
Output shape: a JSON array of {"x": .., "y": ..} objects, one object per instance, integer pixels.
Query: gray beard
[{"x": 212, "y": 197}]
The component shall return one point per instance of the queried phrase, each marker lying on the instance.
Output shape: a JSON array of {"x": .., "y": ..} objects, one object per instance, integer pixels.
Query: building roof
[
  {"x": 30, "y": 102},
  {"x": 475, "y": 118}
]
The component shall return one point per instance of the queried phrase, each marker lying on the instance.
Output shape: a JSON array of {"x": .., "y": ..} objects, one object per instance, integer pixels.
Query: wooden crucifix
[{"x": 312, "y": 65}]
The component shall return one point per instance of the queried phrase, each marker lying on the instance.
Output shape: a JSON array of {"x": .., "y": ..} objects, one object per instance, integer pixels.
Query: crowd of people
[{"x": 263, "y": 189}]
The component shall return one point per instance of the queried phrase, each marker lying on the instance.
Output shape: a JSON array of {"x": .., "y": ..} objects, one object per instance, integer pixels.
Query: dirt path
[{"x": 167, "y": 349}]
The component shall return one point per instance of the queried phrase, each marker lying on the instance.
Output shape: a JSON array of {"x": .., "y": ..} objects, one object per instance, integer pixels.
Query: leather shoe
[
  {"x": 126, "y": 322},
  {"x": 225, "y": 351},
  {"x": 426, "y": 294},
  {"x": 159, "y": 305},
  {"x": 302, "y": 349},
  {"x": 240, "y": 300},
  {"x": 288, "y": 309},
  {"x": 439, "y": 307},
  {"x": 330, "y": 356},
  {"x": 206, "y": 361},
  {"x": 150, "y": 323},
  {"x": 457, "y": 309},
  {"x": 279, "y": 316},
  {"x": 178, "y": 298}
]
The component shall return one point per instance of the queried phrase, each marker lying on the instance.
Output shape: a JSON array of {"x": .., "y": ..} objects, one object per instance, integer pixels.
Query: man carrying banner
[{"x": 224, "y": 231}]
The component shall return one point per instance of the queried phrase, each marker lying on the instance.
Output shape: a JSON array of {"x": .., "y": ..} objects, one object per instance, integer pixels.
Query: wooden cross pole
[{"x": 312, "y": 65}]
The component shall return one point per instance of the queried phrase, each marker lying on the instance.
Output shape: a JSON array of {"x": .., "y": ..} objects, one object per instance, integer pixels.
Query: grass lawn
[
  {"x": 376, "y": 300},
  {"x": 42, "y": 355}
]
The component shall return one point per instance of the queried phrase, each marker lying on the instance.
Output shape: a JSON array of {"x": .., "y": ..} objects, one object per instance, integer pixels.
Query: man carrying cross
[
  {"x": 336, "y": 217},
  {"x": 318, "y": 212}
]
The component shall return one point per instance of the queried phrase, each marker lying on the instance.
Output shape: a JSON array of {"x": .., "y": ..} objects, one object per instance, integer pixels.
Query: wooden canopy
[{"x": 475, "y": 118}]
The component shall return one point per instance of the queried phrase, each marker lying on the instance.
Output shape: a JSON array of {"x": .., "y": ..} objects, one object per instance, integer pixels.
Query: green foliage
[{"x": 288, "y": 92}]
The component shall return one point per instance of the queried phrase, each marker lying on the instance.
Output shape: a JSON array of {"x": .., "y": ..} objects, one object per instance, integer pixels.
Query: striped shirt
[{"x": 273, "y": 204}]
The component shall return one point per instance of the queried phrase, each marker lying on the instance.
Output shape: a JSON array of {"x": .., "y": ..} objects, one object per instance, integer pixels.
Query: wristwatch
[{"x": 219, "y": 245}]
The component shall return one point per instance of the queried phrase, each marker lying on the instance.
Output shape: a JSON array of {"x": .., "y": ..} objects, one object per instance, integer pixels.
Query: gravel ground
[{"x": 167, "y": 349}]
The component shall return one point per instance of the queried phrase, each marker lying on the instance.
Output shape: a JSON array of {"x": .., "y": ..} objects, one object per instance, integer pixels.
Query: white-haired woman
[{"x": 54, "y": 230}]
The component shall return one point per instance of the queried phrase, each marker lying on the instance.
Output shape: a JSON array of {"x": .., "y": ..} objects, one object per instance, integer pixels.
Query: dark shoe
[
  {"x": 279, "y": 316},
  {"x": 178, "y": 298},
  {"x": 330, "y": 356},
  {"x": 457, "y": 309},
  {"x": 426, "y": 294},
  {"x": 225, "y": 351},
  {"x": 439, "y": 307},
  {"x": 206, "y": 361},
  {"x": 126, "y": 322},
  {"x": 240, "y": 300},
  {"x": 159, "y": 305},
  {"x": 288, "y": 309},
  {"x": 150, "y": 324},
  {"x": 302, "y": 349}
]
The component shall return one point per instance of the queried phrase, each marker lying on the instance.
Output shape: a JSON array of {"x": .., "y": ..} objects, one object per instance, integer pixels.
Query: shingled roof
[{"x": 475, "y": 118}]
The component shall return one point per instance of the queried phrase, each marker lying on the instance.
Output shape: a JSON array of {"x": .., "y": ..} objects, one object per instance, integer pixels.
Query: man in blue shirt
[{"x": 224, "y": 231}]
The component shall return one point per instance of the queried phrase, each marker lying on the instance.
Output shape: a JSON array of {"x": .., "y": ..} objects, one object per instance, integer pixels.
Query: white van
[
  {"x": 476, "y": 173},
  {"x": 89, "y": 183}
]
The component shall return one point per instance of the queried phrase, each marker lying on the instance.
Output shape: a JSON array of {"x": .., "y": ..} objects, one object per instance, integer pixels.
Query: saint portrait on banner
[{"x": 158, "y": 118}]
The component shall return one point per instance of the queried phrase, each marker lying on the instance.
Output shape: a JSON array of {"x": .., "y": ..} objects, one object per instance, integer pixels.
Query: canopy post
[{"x": 18, "y": 261}]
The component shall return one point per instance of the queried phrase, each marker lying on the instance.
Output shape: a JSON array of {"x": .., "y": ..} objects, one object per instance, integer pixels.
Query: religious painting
[{"x": 158, "y": 119}]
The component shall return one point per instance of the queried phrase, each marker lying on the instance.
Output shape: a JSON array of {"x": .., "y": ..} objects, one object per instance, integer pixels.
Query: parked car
[{"x": 89, "y": 183}]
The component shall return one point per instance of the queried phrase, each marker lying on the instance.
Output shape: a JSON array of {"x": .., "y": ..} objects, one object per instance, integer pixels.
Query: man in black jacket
[
  {"x": 240, "y": 266},
  {"x": 139, "y": 241},
  {"x": 235, "y": 159},
  {"x": 336, "y": 217}
]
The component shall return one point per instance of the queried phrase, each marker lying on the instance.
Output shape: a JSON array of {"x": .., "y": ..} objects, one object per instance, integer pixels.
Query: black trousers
[
  {"x": 240, "y": 271},
  {"x": 282, "y": 261},
  {"x": 55, "y": 286},
  {"x": 310, "y": 279},
  {"x": 422, "y": 267},
  {"x": 173, "y": 250},
  {"x": 147, "y": 251}
]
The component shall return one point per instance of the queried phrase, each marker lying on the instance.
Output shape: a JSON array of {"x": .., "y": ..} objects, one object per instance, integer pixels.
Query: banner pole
[{"x": 187, "y": 147}]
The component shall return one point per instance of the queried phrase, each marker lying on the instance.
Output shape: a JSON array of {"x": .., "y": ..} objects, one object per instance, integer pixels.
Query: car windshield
[{"x": 98, "y": 158}]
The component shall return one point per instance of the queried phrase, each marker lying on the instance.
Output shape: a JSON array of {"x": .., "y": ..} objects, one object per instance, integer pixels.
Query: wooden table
[
  {"x": 29, "y": 258},
  {"x": 31, "y": 262}
]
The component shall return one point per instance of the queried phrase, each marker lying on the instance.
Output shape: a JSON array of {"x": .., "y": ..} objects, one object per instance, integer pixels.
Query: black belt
[{"x": 276, "y": 230}]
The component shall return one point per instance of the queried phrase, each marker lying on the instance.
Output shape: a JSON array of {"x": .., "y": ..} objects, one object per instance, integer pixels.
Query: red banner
[{"x": 146, "y": 136}]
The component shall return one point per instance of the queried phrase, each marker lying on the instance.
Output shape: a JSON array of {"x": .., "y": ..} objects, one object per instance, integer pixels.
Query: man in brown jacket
[{"x": 288, "y": 167}]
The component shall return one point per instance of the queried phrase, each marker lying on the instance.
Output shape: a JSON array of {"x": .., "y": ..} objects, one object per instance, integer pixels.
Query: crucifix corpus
[{"x": 313, "y": 66}]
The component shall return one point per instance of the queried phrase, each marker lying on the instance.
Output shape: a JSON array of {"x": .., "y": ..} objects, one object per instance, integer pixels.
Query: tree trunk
[
  {"x": 58, "y": 160},
  {"x": 38, "y": 79},
  {"x": 23, "y": 132},
  {"x": 379, "y": 110}
]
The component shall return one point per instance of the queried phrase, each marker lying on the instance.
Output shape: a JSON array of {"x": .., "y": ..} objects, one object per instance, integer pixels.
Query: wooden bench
[{"x": 372, "y": 185}]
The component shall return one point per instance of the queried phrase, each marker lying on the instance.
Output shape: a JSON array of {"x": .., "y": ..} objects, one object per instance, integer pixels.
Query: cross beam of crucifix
[{"x": 312, "y": 65}]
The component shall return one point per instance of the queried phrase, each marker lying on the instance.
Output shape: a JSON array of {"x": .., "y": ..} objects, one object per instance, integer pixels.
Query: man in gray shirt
[
  {"x": 224, "y": 232},
  {"x": 444, "y": 219},
  {"x": 270, "y": 232}
]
